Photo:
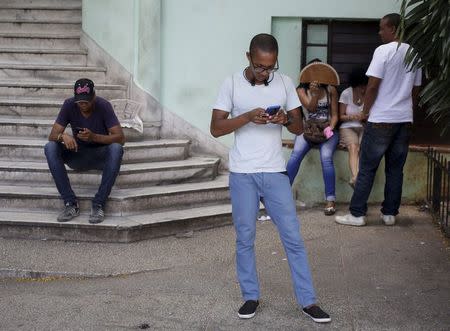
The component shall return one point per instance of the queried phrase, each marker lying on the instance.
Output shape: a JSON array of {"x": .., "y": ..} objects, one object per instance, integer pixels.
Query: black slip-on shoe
[
  {"x": 248, "y": 309},
  {"x": 317, "y": 314}
]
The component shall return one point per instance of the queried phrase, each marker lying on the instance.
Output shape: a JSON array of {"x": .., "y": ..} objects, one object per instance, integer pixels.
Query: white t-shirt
[
  {"x": 352, "y": 109},
  {"x": 394, "y": 102},
  {"x": 257, "y": 147}
]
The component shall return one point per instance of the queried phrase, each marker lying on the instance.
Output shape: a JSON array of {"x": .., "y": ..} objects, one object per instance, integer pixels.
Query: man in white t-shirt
[
  {"x": 258, "y": 171},
  {"x": 390, "y": 97}
]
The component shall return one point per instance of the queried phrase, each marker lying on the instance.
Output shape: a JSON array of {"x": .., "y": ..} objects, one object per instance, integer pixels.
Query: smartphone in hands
[
  {"x": 272, "y": 110},
  {"x": 78, "y": 130}
]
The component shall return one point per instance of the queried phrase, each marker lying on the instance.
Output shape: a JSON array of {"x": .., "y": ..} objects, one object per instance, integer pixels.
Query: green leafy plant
[{"x": 425, "y": 26}]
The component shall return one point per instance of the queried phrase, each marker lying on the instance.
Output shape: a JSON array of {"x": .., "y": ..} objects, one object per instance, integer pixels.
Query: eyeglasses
[{"x": 260, "y": 69}]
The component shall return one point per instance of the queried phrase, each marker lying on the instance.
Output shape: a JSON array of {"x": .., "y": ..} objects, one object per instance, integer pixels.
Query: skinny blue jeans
[
  {"x": 107, "y": 158},
  {"x": 327, "y": 149},
  {"x": 246, "y": 191}
]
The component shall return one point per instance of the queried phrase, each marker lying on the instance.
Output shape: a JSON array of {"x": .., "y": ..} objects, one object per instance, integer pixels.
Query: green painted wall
[
  {"x": 181, "y": 51},
  {"x": 309, "y": 186},
  {"x": 130, "y": 31},
  {"x": 111, "y": 24},
  {"x": 206, "y": 40},
  {"x": 148, "y": 38}
]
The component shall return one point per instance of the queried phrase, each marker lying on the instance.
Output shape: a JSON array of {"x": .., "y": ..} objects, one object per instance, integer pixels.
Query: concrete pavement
[{"x": 370, "y": 278}]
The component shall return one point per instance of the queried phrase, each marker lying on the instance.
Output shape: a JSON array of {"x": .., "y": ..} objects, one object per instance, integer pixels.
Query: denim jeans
[
  {"x": 107, "y": 158},
  {"x": 246, "y": 191},
  {"x": 391, "y": 141},
  {"x": 327, "y": 149}
]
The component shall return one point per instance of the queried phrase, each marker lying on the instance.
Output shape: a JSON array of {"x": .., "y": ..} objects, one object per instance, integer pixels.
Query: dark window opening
[
  {"x": 349, "y": 44},
  {"x": 344, "y": 44}
]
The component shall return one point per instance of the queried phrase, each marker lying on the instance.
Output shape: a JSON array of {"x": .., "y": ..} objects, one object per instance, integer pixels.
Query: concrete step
[
  {"x": 121, "y": 201},
  {"x": 25, "y": 149},
  {"x": 61, "y": 73},
  {"x": 74, "y": 57},
  {"x": 48, "y": 25},
  {"x": 43, "y": 225},
  {"x": 131, "y": 175},
  {"x": 16, "y": 105},
  {"x": 39, "y": 14},
  {"x": 41, "y": 4},
  {"x": 23, "y": 95},
  {"x": 40, "y": 128},
  {"x": 25, "y": 127},
  {"x": 70, "y": 40}
]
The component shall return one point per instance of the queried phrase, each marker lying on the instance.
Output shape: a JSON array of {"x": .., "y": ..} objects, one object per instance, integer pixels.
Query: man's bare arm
[{"x": 222, "y": 125}]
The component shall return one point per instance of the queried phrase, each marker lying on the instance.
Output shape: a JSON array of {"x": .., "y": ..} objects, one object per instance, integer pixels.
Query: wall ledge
[{"x": 441, "y": 148}]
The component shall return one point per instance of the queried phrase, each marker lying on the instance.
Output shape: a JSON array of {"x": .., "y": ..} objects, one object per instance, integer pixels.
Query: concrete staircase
[{"x": 162, "y": 189}]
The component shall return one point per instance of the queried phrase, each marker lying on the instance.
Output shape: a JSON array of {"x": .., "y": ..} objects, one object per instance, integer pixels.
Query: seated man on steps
[{"x": 96, "y": 143}]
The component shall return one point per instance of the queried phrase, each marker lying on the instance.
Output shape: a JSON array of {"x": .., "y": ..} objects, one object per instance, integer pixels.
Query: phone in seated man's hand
[{"x": 77, "y": 130}]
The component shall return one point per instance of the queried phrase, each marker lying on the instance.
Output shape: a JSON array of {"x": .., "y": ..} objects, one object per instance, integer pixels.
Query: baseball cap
[{"x": 84, "y": 90}]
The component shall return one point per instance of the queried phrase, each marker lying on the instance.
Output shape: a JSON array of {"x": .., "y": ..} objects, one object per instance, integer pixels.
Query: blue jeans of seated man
[
  {"x": 107, "y": 158},
  {"x": 246, "y": 191},
  {"x": 327, "y": 149},
  {"x": 390, "y": 140}
]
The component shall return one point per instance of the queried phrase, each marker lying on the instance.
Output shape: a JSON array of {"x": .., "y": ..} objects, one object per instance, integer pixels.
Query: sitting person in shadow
[{"x": 96, "y": 142}]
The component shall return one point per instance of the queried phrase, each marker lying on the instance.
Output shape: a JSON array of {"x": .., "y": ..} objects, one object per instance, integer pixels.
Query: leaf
[{"x": 425, "y": 26}]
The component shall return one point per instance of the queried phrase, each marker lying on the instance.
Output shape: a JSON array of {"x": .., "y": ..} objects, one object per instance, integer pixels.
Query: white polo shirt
[
  {"x": 394, "y": 101},
  {"x": 256, "y": 147}
]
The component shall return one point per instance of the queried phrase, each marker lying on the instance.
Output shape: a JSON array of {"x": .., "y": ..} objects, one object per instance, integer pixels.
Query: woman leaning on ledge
[
  {"x": 351, "y": 116},
  {"x": 319, "y": 101}
]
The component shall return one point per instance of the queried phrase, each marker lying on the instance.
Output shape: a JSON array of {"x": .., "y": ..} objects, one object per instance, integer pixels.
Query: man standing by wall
[
  {"x": 258, "y": 170},
  {"x": 96, "y": 143},
  {"x": 390, "y": 96}
]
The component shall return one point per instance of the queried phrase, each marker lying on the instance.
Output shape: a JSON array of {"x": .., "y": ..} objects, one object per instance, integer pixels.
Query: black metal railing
[{"x": 438, "y": 188}]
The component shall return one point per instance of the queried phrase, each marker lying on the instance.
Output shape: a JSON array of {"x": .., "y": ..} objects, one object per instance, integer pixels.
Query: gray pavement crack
[{"x": 23, "y": 274}]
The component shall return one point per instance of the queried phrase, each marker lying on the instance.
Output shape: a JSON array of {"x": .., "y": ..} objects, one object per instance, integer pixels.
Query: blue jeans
[
  {"x": 327, "y": 149},
  {"x": 107, "y": 158},
  {"x": 391, "y": 141},
  {"x": 246, "y": 191}
]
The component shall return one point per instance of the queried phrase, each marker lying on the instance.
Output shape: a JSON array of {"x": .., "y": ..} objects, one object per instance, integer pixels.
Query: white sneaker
[
  {"x": 388, "y": 219},
  {"x": 263, "y": 218},
  {"x": 349, "y": 219}
]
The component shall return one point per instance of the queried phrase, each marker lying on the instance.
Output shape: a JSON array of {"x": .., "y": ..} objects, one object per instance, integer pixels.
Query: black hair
[
  {"x": 393, "y": 19},
  {"x": 314, "y": 60},
  {"x": 358, "y": 77},
  {"x": 264, "y": 42}
]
